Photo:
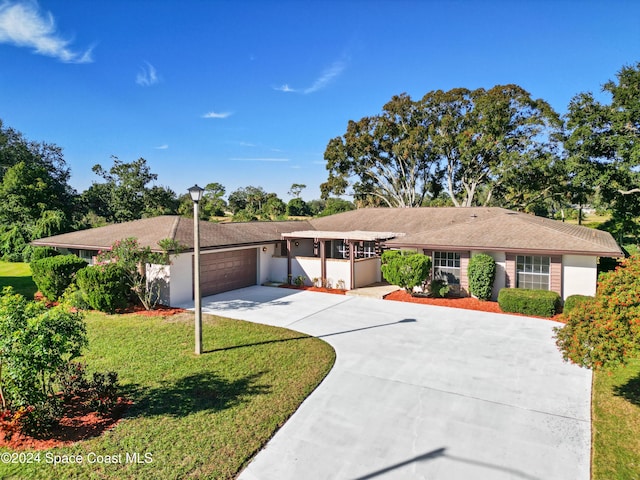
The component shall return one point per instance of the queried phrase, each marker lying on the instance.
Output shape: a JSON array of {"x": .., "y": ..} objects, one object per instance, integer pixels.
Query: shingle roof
[
  {"x": 480, "y": 228},
  {"x": 475, "y": 228},
  {"x": 149, "y": 231}
]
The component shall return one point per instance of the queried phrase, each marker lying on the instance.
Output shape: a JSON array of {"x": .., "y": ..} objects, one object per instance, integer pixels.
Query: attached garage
[{"x": 224, "y": 271}]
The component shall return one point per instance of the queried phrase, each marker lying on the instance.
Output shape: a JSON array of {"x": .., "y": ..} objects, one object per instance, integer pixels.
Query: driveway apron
[{"x": 423, "y": 392}]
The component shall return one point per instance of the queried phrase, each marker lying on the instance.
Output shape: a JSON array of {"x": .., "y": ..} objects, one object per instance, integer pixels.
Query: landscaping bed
[
  {"x": 78, "y": 423},
  {"x": 467, "y": 303},
  {"x": 336, "y": 291}
]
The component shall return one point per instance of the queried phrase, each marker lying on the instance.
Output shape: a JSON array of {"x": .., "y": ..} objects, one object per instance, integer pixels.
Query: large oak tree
[
  {"x": 603, "y": 147},
  {"x": 469, "y": 143}
]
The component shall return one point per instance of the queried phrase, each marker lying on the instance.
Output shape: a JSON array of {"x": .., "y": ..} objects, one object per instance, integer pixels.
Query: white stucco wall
[
  {"x": 501, "y": 272},
  {"x": 181, "y": 283},
  {"x": 264, "y": 263},
  {"x": 579, "y": 275},
  {"x": 277, "y": 270},
  {"x": 338, "y": 271},
  {"x": 308, "y": 267},
  {"x": 367, "y": 271}
]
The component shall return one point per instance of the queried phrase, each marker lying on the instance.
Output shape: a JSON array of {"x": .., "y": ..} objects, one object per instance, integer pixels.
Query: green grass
[
  {"x": 18, "y": 276},
  {"x": 616, "y": 424},
  {"x": 198, "y": 417}
]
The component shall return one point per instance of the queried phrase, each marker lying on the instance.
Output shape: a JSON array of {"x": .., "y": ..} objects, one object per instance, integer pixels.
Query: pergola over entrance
[{"x": 353, "y": 246}]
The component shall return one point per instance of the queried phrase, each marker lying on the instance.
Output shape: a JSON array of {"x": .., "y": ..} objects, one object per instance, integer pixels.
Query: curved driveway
[{"x": 423, "y": 392}]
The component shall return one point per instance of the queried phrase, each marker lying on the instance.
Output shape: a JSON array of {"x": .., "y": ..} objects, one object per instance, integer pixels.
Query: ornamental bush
[
  {"x": 573, "y": 300},
  {"x": 104, "y": 287},
  {"x": 541, "y": 303},
  {"x": 53, "y": 275},
  {"x": 34, "y": 342},
  {"x": 481, "y": 272},
  {"x": 405, "y": 269},
  {"x": 604, "y": 331}
]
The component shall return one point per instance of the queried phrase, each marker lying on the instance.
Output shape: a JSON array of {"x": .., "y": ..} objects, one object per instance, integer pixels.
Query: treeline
[{"x": 37, "y": 200}]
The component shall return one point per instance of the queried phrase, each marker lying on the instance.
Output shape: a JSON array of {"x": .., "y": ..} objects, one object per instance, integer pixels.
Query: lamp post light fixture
[{"x": 196, "y": 195}]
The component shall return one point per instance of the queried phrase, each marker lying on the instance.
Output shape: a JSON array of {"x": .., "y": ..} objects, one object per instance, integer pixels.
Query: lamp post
[{"x": 196, "y": 195}]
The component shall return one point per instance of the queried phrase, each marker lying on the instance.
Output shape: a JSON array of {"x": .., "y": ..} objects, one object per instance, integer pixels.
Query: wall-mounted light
[
  {"x": 297, "y": 244},
  {"x": 264, "y": 249}
]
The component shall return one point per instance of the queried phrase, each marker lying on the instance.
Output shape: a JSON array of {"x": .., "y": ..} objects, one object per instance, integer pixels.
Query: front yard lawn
[
  {"x": 616, "y": 424},
  {"x": 196, "y": 417},
  {"x": 18, "y": 276}
]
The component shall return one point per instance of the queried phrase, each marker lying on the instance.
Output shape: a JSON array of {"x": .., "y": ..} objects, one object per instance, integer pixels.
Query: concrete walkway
[{"x": 423, "y": 392}]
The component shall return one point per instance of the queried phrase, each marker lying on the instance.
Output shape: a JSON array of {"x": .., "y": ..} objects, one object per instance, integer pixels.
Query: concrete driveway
[{"x": 423, "y": 392}]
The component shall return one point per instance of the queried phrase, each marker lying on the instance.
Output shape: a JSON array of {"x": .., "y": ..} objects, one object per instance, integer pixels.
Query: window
[
  {"x": 341, "y": 249},
  {"x": 446, "y": 267},
  {"x": 533, "y": 272},
  {"x": 368, "y": 250}
]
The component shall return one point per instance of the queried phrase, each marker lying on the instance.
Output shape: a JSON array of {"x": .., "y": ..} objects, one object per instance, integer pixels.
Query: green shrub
[
  {"x": 604, "y": 331},
  {"x": 481, "y": 272},
  {"x": 405, "y": 269},
  {"x": 34, "y": 342},
  {"x": 73, "y": 298},
  {"x": 438, "y": 288},
  {"x": 54, "y": 274},
  {"x": 541, "y": 303},
  {"x": 104, "y": 287},
  {"x": 32, "y": 254},
  {"x": 573, "y": 300}
]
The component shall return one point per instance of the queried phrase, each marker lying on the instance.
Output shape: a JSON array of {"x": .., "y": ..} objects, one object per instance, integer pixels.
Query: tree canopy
[
  {"x": 34, "y": 192},
  {"x": 125, "y": 194},
  {"x": 469, "y": 143},
  {"x": 603, "y": 147}
]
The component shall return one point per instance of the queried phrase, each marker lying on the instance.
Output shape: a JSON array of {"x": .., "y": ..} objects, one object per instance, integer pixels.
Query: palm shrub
[
  {"x": 405, "y": 268},
  {"x": 53, "y": 275},
  {"x": 438, "y": 288},
  {"x": 104, "y": 287},
  {"x": 604, "y": 331},
  {"x": 481, "y": 272}
]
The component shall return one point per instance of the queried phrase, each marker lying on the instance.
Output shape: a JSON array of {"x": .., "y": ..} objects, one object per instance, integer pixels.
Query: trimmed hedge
[
  {"x": 573, "y": 301},
  {"x": 104, "y": 287},
  {"x": 541, "y": 303},
  {"x": 481, "y": 272},
  {"x": 53, "y": 275}
]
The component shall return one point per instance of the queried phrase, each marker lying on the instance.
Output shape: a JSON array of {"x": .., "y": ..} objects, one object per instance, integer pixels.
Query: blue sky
[{"x": 250, "y": 92}]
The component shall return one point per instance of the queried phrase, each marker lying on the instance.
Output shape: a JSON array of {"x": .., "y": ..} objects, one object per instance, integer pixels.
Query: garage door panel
[{"x": 224, "y": 271}]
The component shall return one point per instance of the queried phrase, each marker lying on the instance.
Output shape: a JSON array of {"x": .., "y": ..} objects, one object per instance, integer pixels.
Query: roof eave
[{"x": 541, "y": 251}]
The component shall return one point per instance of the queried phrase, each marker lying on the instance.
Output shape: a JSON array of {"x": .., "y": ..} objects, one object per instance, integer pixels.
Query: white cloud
[
  {"x": 162, "y": 147},
  {"x": 147, "y": 76},
  {"x": 259, "y": 159},
  {"x": 217, "y": 115},
  {"x": 325, "y": 78},
  {"x": 284, "y": 88},
  {"x": 23, "y": 25}
]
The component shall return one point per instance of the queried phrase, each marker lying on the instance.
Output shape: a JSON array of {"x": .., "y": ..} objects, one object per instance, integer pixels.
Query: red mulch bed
[
  {"x": 336, "y": 291},
  {"x": 158, "y": 311},
  {"x": 78, "y": 423},
  {"x": 467, "y": 303}
]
